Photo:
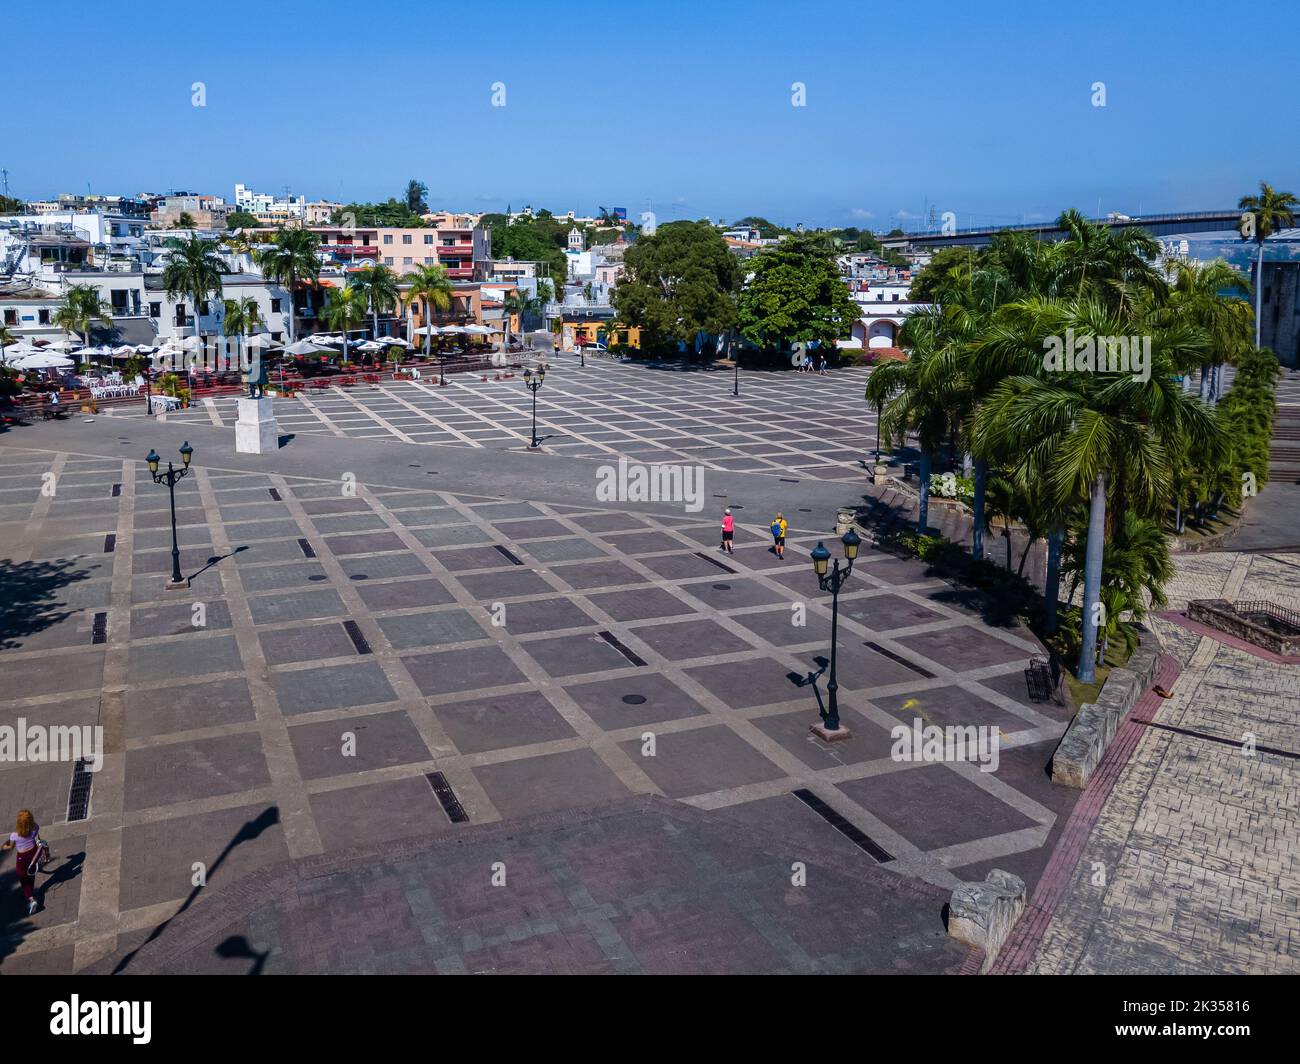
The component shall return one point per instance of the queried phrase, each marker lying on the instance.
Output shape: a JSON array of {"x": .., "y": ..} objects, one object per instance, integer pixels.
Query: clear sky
[{"x": 982, "y": 109}]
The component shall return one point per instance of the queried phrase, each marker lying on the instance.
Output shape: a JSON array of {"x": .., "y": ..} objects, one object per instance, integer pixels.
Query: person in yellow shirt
[{"x": 778, "y": 535}]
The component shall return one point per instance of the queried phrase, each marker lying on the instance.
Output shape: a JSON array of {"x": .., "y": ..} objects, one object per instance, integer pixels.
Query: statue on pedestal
[{"x": 255, "y": 378}]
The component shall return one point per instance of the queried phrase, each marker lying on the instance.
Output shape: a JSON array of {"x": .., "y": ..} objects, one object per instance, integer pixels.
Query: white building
[{"x": 883, "y": 307}]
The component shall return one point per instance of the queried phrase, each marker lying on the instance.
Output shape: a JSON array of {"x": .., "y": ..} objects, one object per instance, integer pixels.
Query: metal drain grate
[
  {"x": 79, "y": 793},
  {"x": 900, "y": 659},
  {"x": 275, "y": 494},
  {"x": 110, "y": 543},
  {"x": 1214, "y": 738},
  {"x": 714, "y": 561},
  {"x": 514, "y": 560},
  {"x": 99, "y": 629},
  {"x": 306, "y": 548},
  {"x": 859, "y": 838},
  {"x": 358, "y": 640},
  {"x": 627, "y": 652},
  {"x": 447, "y": 798}
]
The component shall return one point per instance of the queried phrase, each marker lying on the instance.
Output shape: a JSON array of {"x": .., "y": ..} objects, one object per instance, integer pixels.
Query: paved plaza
[
  {"x": 799, "y": 425},
  {"x": 348, "y": 670}
]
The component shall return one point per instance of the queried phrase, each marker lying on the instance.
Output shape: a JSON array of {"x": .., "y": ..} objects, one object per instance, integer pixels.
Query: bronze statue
[{"x": 255, "y": 378}]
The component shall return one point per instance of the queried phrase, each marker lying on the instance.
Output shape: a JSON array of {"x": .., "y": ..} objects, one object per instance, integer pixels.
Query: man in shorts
[{"x": 778, "y": 535}]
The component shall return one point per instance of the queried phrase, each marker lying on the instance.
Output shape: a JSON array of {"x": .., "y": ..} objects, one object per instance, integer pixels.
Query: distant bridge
[{"x": 1156, "y": 224}]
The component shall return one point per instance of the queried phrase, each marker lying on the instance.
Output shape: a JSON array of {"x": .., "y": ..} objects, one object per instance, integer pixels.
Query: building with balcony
[{"x": 208, "y": 212}]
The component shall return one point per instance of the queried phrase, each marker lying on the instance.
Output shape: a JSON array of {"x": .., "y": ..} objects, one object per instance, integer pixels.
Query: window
[
  {"x": 406, "y": 238},
  {"x": 43, "y": 317},
  {"x": 388, "y": 261},
  {"x": 428, "y": 260},
  {"x": 428, "y": 238},
  {"x": 895, "y": 297},
  {"x": 277, "y": 337},
  {"x": 155, "y": 310},
  {"x": 11, "y": 317},
  {"x": 406, "y": 261},
  {"x": 388, "y": 238},
  {"x": 275, "y": 306},
  {"x": 203, "y": 308}
]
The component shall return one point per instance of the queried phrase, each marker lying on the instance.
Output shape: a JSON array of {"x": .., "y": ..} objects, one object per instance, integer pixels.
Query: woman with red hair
[{"x": 29, "y": 855}]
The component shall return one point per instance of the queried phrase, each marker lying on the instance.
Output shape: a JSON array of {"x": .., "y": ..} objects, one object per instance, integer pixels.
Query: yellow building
[{"x": 576, "y": 331}]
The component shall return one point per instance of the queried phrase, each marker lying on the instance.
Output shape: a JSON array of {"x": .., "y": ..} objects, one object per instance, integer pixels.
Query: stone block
[
  {"x": 983, "y": 915},
  {"x": 256, "y": 430}
]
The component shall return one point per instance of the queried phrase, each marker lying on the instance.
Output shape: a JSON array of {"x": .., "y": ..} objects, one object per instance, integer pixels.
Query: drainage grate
[
  {"x": 860, "y": 839},
  {"x": 275, "y": 494},
  {"x": 628, "y": 653},
  {"x": 714, "y": 561},
  {"x": 117, "y": 490},
  {"x": 99, "y": 629},
  {"x": 110, "y": 543},
  {"x": 79, "y": 794},
  {"x": 900, "y": 659},
  {"x": 306, "y": 548},
  {"x": 513, "y": 559},
  {"x": 358, "y": 640},
  {"x": 634, "y": 700},
  {"x": 447, "y": 798}
]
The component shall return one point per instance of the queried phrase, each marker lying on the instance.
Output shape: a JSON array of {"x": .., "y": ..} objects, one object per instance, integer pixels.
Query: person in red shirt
[{"x": 728, "y": 530}]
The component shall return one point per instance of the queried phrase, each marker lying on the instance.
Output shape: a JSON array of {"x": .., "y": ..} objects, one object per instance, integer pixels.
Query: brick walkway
[{"x": 616, "y": 626}]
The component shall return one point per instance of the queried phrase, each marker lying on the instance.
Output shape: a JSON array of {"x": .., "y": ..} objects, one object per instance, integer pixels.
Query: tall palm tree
[
  {"x": 82, "y": 308},
  {"x": 914, "y": 397},
  {"x": 1272, "y": 211},
  {"x": 430, "y": 285},
  {"x": 1099, "y": 437},
  {"x": 520, "y": 303},
  {"x": 344, "y": 311},
  {"x": 193, "y": 272},
  {"x": 242, "y": 319},
  {"x": 291, "y": 260},
  {"x": 379, "y": 286}
]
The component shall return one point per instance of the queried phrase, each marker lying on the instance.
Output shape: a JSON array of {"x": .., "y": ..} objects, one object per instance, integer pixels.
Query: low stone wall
[
  {"x": 1085, "y": 741},
  {"x": 983, "y": 914},
  {"x": 1221, "y": 614}
]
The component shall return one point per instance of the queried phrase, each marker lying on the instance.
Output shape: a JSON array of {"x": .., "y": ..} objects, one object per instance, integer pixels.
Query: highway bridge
[{"x": 1160, "y": 225}]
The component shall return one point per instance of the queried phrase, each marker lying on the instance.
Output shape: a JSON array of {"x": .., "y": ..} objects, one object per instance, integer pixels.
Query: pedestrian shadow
[
  {"x": 251, "y": 830},
  {"x": 810, "y": 680},
  {"x": 217, "y": 559},
  {"x": 236, "y": 947}
]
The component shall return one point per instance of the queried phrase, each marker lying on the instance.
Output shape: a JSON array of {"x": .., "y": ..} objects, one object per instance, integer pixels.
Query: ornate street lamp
[
  {"x": 170, "y": 478},
  {"x": 832, "y": 581},
  {"x": 534, "y": 381}
]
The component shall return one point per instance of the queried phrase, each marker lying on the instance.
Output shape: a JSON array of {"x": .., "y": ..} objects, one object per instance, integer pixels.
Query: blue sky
[{"x": 982, "y": 109}]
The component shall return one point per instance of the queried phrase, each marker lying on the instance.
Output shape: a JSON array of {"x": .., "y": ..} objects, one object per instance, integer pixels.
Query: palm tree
[
  {"x": 431, "y": 285},
  {"x": 291, "y": 260},
  {"x": 914, "y": 397},
  {"x": 81, "y": 309},
  {"x": 379, "y": 286},
  {"x": 1271, "y": 211},
  {"x": 520, "y": 303},
  {"x": 1098, "y": 437},
  {"x": 345, "y": 310},
  {"x": 1208, "y": 295},
  {"x": 184, "y": 220},
  {"x": 193, "y": 272},
  {"x": 242, "y": 318}
]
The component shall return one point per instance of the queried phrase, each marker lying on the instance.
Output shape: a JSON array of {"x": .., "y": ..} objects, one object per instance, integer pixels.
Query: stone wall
[
  {"x": 1221, "y": 614},
  {"x": 1085, "y": 741},
  {"x": 983, "y": 914}
]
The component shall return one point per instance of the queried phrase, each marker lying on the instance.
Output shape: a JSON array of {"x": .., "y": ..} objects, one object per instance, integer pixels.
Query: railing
[{"x": 1271, "y": 610}]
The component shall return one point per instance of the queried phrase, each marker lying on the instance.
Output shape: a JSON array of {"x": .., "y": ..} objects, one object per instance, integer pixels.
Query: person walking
[
  {"x": 778, "y": 535},
  {"x": 728, "y": 530},
  {"x": 30, "y": 854},
  {"x": 821, "y": 366}
]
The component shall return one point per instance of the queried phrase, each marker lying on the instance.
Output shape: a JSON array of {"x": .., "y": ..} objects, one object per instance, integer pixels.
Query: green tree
[
  {"x": 678, "y": 283},
  {"x": 241, "y": 220},
  {"x": 184, "y": 220},
  {"x": 291, "y": 260},
  {"x": 795, "y": 293},
  {"x": 430, "y": 285},
  {"x": 379, "y": 286},
  {"x": 82, "y": 308},
  {"x": 193, "y": 272},
  {"x": 9, "y": 205},
  {"x": 415, "y": 193},
  {"x": 1268, "y": 212},
  {"x": 242, "y": 318},
  {"x": 392, "y": 213},
  {"x": 527, "y": 242},
  {"x": 344, "y": 310}
]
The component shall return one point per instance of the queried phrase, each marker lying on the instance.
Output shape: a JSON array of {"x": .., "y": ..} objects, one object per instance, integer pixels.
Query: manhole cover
[
  {"x": 634, "y": 700},
  {"x": 721, "y": 587},
  {"x": 356, "y": 576},
  {"x": 316, "y": 578}
]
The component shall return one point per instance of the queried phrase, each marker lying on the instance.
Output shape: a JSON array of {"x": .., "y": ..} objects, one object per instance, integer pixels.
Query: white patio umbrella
[
  {"x": 395, "y": 341},
  {"x": 63, "y": 345},
  {"x": 452, "y": 329},
  {"x": 20, "y": 350},
  {"x": 479, "y": 330},
  {"x": 123, "y": 351},
  {"x": 430, "y": 330},
  {"x": 369, "y": 346},
  {"x": 44, "y": 360},
  {"x": 303, "y": 347}
]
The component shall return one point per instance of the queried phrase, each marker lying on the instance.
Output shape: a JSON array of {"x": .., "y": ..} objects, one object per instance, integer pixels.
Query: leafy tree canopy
[
  {"x": 241, "y": 220},
  {"x": 795, "y": 292},
  {"x": 391, "y": 212}
]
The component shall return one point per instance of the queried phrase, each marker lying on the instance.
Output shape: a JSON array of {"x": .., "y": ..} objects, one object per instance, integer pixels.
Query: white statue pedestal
[{"x": 256, "y": 431}]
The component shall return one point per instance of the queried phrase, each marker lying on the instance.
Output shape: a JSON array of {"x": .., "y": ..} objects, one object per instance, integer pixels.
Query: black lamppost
[
  {"x": 878, "y": 409},
  {"x": 832, "y": 581},
  {"x": 170, "y": 478},
  {"x": 534, "y": 381}
]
